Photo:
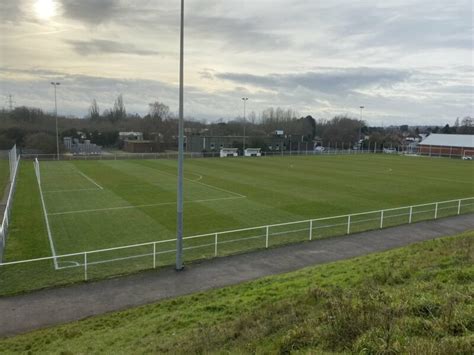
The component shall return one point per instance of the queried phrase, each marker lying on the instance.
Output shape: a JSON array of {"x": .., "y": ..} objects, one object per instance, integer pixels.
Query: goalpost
[
  {"x": 13, "y": 162},
  {"x": 468, "y": 155},
  {"x": 37, "y": 171}
]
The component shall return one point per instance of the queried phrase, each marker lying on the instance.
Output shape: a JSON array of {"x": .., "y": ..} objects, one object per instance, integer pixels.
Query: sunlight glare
[{"x": 45, "y": 9}]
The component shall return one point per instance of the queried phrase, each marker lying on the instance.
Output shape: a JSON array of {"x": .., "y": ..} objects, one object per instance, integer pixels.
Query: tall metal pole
[
  {"x": 245, "y": 99},
  {"x": 56, "y": 117},
  {"x": 179, "y": 223},
  {"x": 360, "y": 126}
]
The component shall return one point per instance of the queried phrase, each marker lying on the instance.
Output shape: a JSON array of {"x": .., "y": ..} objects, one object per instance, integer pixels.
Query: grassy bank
[{"x": 418, "y": 299}]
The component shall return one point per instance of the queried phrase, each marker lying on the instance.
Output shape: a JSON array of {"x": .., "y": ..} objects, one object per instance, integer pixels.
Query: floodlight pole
[
  {"x": 245, "y": 99},
  {"x": 55, "y": 84},
  {"x": 179, "y": 223},
  {"x": 360, "y": 125}
]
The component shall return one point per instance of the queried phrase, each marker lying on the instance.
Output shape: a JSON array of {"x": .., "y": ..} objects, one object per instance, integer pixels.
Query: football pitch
[{"x": 104, "y": 204}]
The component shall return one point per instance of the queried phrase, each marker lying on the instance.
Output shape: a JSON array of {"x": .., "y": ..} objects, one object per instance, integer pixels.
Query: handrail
[{"x": 267, "y": 227}]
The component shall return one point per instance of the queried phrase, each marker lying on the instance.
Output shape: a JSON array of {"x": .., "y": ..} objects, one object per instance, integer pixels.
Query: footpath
[{"x": 55, "y": 306}]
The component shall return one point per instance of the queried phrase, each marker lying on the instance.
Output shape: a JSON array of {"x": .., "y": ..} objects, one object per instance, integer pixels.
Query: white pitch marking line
[
  {"x": 72, "y": 190},
  {"x": 88, "y": 178},
  {"x": 48, "y": 229},
  {"x": 142, "y": 206},
  {"x": 201, "y": 183}
]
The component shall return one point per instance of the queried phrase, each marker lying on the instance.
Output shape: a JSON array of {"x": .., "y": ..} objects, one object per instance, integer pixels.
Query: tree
[
  {"x": 446, "y": 129},
  {"x": 119, "y": 112},
  {"x": 41, "y": 142},
  {"x": 466, "y": 126},
  {"x": 158, "y": 111},
  {"x": 94, "y": 112},
  {"x": 341, "y": 129}
]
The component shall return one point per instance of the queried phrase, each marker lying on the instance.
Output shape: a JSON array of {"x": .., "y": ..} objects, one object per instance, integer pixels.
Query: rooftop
[{"x": 450, "y": 140}]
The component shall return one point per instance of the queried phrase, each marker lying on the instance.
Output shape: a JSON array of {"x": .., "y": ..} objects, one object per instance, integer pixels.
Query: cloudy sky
[{"x": 406, "y": 61}]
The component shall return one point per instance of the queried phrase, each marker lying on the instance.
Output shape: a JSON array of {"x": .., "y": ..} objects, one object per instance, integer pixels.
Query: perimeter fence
[
  {"x": 327, "y": 149},
  {"x": 6, "y": 201},
  {"x": 17, "y": 276}
]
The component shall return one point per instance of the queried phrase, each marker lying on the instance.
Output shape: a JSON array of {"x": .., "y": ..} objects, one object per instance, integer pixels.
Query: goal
[
  {"x": 229, "y": 152},
  {"x": 253, "y": 152},
  {"x": 468, "y": 155}
]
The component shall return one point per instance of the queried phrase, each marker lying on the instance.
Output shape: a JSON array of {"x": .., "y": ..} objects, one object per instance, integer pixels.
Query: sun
[{"x": 45, "y": 9}]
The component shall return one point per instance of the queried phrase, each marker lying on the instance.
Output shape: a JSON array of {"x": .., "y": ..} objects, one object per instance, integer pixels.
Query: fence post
[
  {"x": 349, "y": 224},
  {"x": 381, "y": 219},
  {"x": 85, "y": 266},
  {"x": 154, "y": 255},
  {"x": 436, "y": 211},
  {"x": 215, "y": 244},
  {"x": 266, "y": 238},
  {"x": 311, "y": 230},
  {"x": 459, "y": 207},
  {"x": 411, "y": 214}
]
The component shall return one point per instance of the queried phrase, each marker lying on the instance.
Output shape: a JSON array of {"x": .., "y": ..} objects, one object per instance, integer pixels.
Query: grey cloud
[
  {"x": 100, "y": 46},
  {"x": 330, "y": 80},
  {"x": 418, "y": 24},
  {"x": 248, "y": 34},
  {"x": 10, "y": 10},
  {"x": 91, "y": 11}
]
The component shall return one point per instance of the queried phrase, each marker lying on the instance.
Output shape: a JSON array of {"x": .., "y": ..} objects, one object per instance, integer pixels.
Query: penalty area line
[
  {"x": 197, "y": 181},
  {"x": 71, "y": 190},
  {"x": 88, "y": 178},
  {"x": 143, "y": 206}
]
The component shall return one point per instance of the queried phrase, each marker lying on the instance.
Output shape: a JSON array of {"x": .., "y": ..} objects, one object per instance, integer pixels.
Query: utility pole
[
  {"x": 179, "y": 217},
  {"x": 10, "y": 102},
  {"x": 245, "y": 99},
  {"x": 55, "y": 84}
]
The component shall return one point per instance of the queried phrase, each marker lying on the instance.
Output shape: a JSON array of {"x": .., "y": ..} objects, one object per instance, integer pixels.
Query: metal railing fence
[
  {"x": 14, "y": 161},
  {"x": 329, "y": 149},
  {"x": 125, "y": 259}
]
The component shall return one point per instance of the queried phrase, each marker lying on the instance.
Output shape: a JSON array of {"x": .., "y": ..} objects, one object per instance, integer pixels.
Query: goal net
[{"x": 468, "y": 154}]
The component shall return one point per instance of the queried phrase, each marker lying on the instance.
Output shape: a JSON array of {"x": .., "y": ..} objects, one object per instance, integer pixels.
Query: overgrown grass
[{"x": 418, "y": 299}]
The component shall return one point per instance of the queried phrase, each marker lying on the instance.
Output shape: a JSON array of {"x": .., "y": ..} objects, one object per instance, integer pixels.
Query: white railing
[
  {"x": 14, "y": 161},
  {"x": 253, "y": 238}
]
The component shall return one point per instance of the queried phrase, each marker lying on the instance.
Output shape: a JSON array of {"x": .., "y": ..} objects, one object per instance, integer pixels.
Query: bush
[{"x": 42, "y": 142}]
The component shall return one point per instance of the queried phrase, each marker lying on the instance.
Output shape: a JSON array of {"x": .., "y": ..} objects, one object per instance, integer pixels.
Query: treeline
[{"x": 33, "y": 129}]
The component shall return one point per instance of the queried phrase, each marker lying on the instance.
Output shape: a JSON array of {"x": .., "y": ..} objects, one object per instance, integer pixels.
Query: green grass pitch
[{"x": 104, "y": 204}]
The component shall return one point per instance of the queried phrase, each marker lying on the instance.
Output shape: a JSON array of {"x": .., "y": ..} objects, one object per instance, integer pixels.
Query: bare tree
[
  {"x": 119, "y": 112},
  {"x": 158, "y": 110},
  {"x": 94, "y": 112}
]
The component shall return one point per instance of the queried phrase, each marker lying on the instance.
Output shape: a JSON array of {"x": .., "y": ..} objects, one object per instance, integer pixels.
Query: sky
[{"x": 405, "y": 61}]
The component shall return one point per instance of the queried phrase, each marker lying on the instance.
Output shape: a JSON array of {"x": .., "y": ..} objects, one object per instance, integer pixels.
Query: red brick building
[
  {"x": 134, "y": 146},
  {"x": 448, "y": 145}
]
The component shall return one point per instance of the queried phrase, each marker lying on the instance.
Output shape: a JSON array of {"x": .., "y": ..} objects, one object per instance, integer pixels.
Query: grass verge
[{"x": 418, "y": 299}]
